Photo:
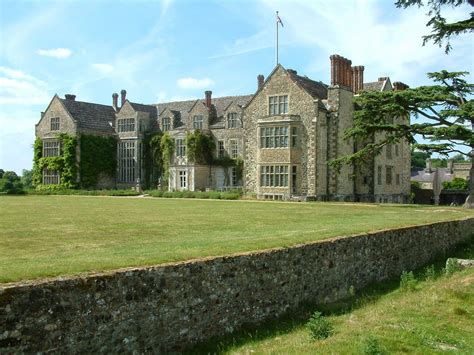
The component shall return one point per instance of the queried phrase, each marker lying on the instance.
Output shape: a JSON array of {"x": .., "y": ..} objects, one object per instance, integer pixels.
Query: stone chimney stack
[
  {"x": 115, "y": 101},
  {"x": 70, "y": 97},
  {"x": 123, "y": 94},
  {"x": 450, "y": 166},
  {"x": 357, "y": 78},
  {"x": 399, "y": 86},
  {"x": 208, "y": 94},
  {"x": 260, "y": 81},
  {"x": 429, "y": 167}
]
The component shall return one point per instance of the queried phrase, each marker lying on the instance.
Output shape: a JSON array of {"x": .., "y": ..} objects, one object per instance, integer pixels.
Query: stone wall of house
[
  {"x": 165, "y": 308},
  {"x": 302, "y": 113},
  {"x": 66, "y": 123}
]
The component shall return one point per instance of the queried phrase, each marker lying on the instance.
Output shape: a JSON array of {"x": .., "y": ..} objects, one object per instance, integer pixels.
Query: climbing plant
[
  {"x": 152, "y": 158},
  {"x": 167, "y": 150},
  {"x": 199, "y": 147},
  {"x": 98, "y": 156},
  {"x": 64, "y": 164}
]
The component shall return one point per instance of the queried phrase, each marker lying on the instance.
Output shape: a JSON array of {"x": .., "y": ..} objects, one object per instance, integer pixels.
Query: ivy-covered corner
[
  {"x": 98, "y": 156},
  {"x": 64, "y": 164},
  {"x": 98, "y": 159}
]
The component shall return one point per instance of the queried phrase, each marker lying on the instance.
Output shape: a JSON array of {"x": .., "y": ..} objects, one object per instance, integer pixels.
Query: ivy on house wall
[
  {"x": 64, "y": 164},
  {"x": 199, "y": 147},
  {"x": 167, "y": 150},
  {"x": 98, "y": 156},
  {"x": 152, "y": 159}
]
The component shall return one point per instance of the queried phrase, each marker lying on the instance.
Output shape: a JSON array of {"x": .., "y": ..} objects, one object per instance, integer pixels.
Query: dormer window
[
  {"x": 197, "y": 122},
  {"x": 55, "y": 123},
  {"x": 126, "y": 125},
  {"x": 232, "y": 120},
  {"x": 278, "y": 105},
  {"x": 166, "y": 124}
]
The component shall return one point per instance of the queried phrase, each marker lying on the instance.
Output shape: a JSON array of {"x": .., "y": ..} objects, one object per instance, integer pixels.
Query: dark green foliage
[
  {"x": 1, "y": 173},
  {"x": 59, "y": 191},
  {"x": 167, "y": 150},
  {"x": 215, "y": 195},
  {"x": 441, "y": 30},
  {"x": 65, "y": 164},
  {"x": 418, "y": 159},
  {"x": 152, "y": 159},
  {"x": 456, "y": 184},
  {"x": 27, "y": 178},
  {"x": 319, "y": 327},
  {"x": 199, "y": 147},
  {"x": 98, "y": 156},
  {"x": 10, "y": 183},
  {"x": 37, "y": 154}
]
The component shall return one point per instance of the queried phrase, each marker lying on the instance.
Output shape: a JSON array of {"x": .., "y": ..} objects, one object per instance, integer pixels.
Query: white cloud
[
  {"x": 59, "y": 53},
  {"x": 17, "y": 87},
  {"x": 103, "y": 68},
  {"x": 193, "y": 83}
]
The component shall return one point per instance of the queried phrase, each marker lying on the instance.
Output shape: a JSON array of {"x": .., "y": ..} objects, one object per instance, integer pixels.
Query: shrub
[
  {"x": 430, "y": 272},
  {"x": 408, "y": 281},
  {"x": 10, "y": 183},
  {"x": 452, "y": 266},
  {"x": 319, "y": 327},
  {"x": 456, "y": 184},
  {"x": 371, "y": 346}
]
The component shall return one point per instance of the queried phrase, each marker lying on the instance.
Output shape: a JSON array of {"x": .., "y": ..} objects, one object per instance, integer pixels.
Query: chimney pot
[
  {"x": 208, "y": 94},
  {"x": 70, "y": 97},
  {"x": 260, "y": 81},
  {"x": 123, "y": 95},
  {"x": 115, "y": 101}
]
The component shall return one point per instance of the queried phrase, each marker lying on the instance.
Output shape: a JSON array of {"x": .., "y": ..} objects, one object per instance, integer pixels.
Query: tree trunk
[{"x": 470, "y": 198}]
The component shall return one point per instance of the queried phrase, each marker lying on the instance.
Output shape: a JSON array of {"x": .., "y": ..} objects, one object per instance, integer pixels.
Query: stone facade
[
  {"x": 165, "y": 308},
  {"x": 286, "y": 133}
]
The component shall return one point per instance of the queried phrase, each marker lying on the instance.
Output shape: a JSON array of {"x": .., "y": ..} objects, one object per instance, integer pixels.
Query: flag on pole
[{"x": 279, "y": 20}]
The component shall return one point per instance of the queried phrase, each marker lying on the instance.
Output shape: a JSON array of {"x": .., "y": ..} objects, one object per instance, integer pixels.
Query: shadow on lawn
[{"x": 299, "y": 317}]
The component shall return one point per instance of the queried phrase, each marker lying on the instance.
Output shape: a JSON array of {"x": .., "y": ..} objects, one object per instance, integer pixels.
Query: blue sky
[{"x": 175, "y": 49}]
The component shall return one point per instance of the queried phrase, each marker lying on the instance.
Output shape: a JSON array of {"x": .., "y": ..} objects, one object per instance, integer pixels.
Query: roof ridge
[{"x": 85, "y": 102}]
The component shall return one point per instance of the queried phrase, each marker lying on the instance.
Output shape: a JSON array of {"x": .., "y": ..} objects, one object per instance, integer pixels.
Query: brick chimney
[
  {"x": 208, "y": 94},
  {"x": 399, "y": 86},
  {"x": 357, "y": 78},
  {"x": 70, "y": 97},
  {"x": 115, "y": 101},
  {"x": 260, "y": 81},
  {"x": 123, "y": 97},
  {"x": 341, "y": 71}
]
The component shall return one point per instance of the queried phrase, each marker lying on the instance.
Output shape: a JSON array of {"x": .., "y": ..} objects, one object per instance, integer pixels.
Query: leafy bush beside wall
[{"x": 98, "y": 156}]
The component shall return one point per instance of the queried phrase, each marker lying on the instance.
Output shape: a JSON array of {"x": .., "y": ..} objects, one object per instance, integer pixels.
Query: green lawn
[
  {"x": 55, "y": 235},
  {"x": 436, "y": 317}
]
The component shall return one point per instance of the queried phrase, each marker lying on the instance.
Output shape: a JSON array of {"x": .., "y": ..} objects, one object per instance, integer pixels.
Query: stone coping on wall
[{"x": 132, "y": 269}]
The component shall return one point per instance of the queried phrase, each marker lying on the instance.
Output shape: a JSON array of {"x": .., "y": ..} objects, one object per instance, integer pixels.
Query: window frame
[
  {"x": 56, "y": 124},
  {"x": 274, "y": 137},
  {"x": 233, "y": 148},
  {"x": 274, "y": 176},
  {"x": 278, "y": 104},
  {"x": 51, "y": 148},
  {"x": 126, "y": 125},
  {"x": 198, "y": 122},
  {"x": 180, "y": 145},
  {"x": 232, "y": 120},
  {"x": 166, "y": 124}
]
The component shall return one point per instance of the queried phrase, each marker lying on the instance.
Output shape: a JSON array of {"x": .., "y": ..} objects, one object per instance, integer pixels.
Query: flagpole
[{"x": 277, "y": 35}]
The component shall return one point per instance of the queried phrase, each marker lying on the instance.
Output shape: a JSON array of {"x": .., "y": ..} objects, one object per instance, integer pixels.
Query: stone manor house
[{"x": 285, "y": 133}]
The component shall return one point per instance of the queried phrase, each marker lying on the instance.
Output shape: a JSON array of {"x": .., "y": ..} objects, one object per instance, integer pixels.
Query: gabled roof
[
  {"x": 181, "y": 109},
  {"x": 377, "y": 85},
  {"x": 316, "y": 89},
  {"x": 144, "y": 108},
  {"x": 90, "y": 116}
]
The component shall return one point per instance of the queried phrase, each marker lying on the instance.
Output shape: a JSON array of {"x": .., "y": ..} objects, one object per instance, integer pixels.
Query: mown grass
[
  {"x": 44, "y": 236},
  {"x": 436, "y": 315}
]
